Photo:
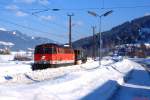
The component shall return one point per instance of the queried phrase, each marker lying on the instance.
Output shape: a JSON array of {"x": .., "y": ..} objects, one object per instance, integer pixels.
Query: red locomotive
[{"x": 52, "y": 55}]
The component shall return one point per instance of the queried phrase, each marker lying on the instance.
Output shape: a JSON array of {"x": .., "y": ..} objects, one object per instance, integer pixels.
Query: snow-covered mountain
[{"x": 20, "y": 41}]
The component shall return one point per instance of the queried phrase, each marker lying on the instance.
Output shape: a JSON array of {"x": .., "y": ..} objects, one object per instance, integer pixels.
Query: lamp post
[
  {"x": 100, "y": 37},
  {"x": 44, "y": 10},
  {"x": 70, "y": 29}
]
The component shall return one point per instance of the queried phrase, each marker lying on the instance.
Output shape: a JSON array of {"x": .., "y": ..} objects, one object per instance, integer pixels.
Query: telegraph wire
[
  {"x": 102, "y": 8},
  {"x": 127, "y": 7},
  {"x": 25, "y": 27},
  {"x": 76, "y": 9},
  {"x": 61, "y": 26},
  {"x": 64, "y": 27},
  {"x": 37, "y": 10},
  {"x": 40, "y": 23}
]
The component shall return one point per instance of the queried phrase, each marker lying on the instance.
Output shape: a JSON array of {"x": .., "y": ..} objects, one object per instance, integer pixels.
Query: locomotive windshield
[{"x": 45, "y": 50}]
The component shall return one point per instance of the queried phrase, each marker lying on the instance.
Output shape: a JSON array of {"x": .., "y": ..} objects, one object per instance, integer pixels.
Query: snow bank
[
  {"x": 6, "y": 58},
  {"x": 87, "y": 82}
]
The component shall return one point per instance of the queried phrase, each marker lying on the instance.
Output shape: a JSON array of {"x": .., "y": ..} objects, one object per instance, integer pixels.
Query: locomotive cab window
[{"x": 41, "y": 50}]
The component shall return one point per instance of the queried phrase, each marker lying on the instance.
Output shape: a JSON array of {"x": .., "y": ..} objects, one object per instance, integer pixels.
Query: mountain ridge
[
  {"x": 21, "y": 41},
  {"x": 129, "y": 32}
]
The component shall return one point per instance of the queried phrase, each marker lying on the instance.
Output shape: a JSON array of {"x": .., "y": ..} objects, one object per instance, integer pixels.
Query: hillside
[
  {"x": 19, "y": 41},
  {"x": 135, "y": 31}
]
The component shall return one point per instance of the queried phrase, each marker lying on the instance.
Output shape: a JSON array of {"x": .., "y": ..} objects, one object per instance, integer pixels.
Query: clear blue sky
[{"x": 54, "y": 25}]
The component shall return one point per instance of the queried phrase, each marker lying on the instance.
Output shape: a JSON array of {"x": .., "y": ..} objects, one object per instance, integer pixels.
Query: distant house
[
  {"x": 5, "y": 47},
  {"x": 134, "y": 50}
]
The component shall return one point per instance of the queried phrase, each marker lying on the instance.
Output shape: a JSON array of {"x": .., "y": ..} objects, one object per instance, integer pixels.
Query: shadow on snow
[
  {"x": 103, "y": 92},
  {"x": 137, "y": 87},
  {"x": 139, "y": 77},
  {"x": 111, "y": 90}
]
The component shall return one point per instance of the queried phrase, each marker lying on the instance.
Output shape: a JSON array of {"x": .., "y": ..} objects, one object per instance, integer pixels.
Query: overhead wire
[
  {"x": 79, "y": 9},
  {"x": 26, "y": 27},
  {"x": 32, "y": 29},
  {"x": 62, "y": 36},
  {"x": 126, "y": 7},
  {"x": 47, "y": 9},
  {"x": 82, "y": 9},
  {"x": 102, "y": 8},
  {"x": 59, "y": 25}
]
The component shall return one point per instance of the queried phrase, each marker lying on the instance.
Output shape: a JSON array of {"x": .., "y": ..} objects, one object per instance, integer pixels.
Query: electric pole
[
  {"x": 70, "y": 29},
  {"x": 94, "y": 42}
]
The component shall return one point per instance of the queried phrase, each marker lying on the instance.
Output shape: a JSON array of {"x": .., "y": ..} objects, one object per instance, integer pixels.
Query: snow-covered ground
[
  {"x": 6, "y": 58},
  {"x": 88, "y": 81},
  {"x": 10, "y": 57}
]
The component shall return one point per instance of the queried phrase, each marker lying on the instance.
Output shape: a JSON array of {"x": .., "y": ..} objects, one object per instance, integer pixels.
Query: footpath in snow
[{"x": 86, "y": 81}]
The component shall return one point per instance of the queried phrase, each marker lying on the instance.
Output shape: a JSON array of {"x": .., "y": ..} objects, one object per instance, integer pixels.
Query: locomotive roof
[
  {"x": 47, "y": 44},
  {"x": 51, "y": 44}
]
